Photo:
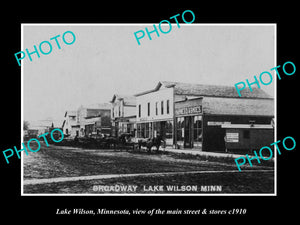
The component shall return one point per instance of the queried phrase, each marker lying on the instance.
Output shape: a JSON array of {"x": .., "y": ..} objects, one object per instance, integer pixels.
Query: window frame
[
  {"x": 140, "y": 111},
  {"x": 168, "y": 106},
  {"x": 148, "y": 104}
]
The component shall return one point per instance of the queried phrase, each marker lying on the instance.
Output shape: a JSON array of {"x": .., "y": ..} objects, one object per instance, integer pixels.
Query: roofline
[
  {"x": 200, "y": 97},
  {"x": 119, "y": 97},
  {"x": 215, "y": 96},
  {"x": 157, "y": 87},
  {"x": 113, "y": 98},
  {"x": 116, "y": 97},
  {"x": 145, "y": 92},
  {"x": 206, "y": 114}
]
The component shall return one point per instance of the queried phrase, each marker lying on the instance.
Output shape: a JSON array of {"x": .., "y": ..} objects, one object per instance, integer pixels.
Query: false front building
[
  {"x": 70, "y": 126},
  {"x": 192, "y": 115},
  {"x": 94, "y": 119},
  {"x": 123, "y": 115}
]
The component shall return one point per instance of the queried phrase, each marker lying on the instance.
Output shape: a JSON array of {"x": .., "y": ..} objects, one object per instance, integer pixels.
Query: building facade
[
  {"x": 123, "y": 115},
  {"x": 70, "y": 126},
  {"x": 189, "y": 123},
  {"x": 191, "y": 115},
  {"x": 94, "y": 119},
  {"x": 220, "y": 112},
  {"x": 155, "y": 114}
]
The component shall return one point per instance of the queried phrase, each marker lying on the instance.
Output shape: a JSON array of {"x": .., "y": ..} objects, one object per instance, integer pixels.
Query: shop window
[
  {"x": 162, "y": 107},
  {"x": 143, "y": 131},
  {"x": 156, "y": 128},
  {"x": 180, "y": 128},
  {"x": 169, "y": 129},
  {"x": 146, "y": 130},
  {"x": 163, "y": 128},
  {"x": 139, "y": 130},
  {"x": 150, "y": 131},
  {"x": 197, "y": 128},
  {"x": 168, "y": 106},
  {"x": 129, "y": 128}
]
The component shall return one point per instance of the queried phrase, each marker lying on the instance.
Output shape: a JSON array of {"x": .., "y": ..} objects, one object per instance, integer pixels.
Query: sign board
[
  {"x": 144, "y": 119},
  {"x": 232, "y": 137},
  {"x": 188, "y": 110},
  {"x": 216, "y": 123}
]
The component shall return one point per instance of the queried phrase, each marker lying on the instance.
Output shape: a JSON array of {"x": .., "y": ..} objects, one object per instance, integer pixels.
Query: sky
[{"x": 106, "y": 59}]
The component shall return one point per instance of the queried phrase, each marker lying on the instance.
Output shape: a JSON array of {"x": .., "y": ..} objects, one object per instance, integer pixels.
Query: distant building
[
  {"x": 123, "y": 115},
  {"x": 43, "y": 126},
  {"x": 94, "y": 119},
  {"x": 32, "y": 133},
  {"x": 70, "y": 126},
  {"x": 191, "y": 115}
]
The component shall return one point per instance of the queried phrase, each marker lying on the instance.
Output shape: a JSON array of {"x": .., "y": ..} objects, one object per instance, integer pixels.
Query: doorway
[{"x": 187, "y": 132}]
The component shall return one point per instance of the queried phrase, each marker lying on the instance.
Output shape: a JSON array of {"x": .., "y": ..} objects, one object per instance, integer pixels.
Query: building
[
  {"x": 70, "y": 126},
  {"x": 191, "y": 115},
  {"x": 94, "y": 119},
  {"x": 241, "y": 137},
  {"x": 43, "y": 126},
  {"x": 155, "y": 113},
  {"x": 123, "y": 114}
]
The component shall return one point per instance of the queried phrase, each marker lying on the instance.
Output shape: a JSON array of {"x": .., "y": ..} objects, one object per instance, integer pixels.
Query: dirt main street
[{"x": 58, "y": 161}]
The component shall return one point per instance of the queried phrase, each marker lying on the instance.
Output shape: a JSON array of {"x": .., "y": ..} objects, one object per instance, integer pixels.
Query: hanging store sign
[{"x": 188, "y": 110}]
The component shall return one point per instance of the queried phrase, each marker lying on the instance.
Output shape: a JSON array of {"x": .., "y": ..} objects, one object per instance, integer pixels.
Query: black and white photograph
[
  {"x": 140, "y": 111},
  {"x": 143, "y": 109}
]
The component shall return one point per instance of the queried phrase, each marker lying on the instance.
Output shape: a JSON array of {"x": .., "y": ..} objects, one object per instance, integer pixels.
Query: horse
[
  {"x": 123, "y": 141},
  {"x": 150, "y": 142}
]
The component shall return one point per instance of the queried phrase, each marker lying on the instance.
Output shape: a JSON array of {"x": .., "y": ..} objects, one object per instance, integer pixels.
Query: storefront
[
  {"x": 123, "y": 125},
  {"x": 152, "y": 129},
  {"x": 245, "y": 138},
  {"x": 189, "y": 123},
  {"x": 123, "y": 115},
  {"x": 190, "y": 116}
]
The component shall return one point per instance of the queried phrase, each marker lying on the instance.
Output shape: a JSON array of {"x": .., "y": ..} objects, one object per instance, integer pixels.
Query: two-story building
[
  {"x": 123, "y": 115},
  {"x": 155, "y": 113},
  {"x": 94, "y": 119},
  {"x": 70, "y": 126},
  {"x": 191, "y": 115}
]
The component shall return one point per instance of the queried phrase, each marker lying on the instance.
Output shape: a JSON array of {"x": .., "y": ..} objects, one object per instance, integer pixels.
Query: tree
[{"x": 25, "y": 125}]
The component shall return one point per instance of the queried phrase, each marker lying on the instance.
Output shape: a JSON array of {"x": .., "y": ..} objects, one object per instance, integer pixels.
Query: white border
[
  {"x": 149, "y": 24},
  {"x": 22, "y": 117}
]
